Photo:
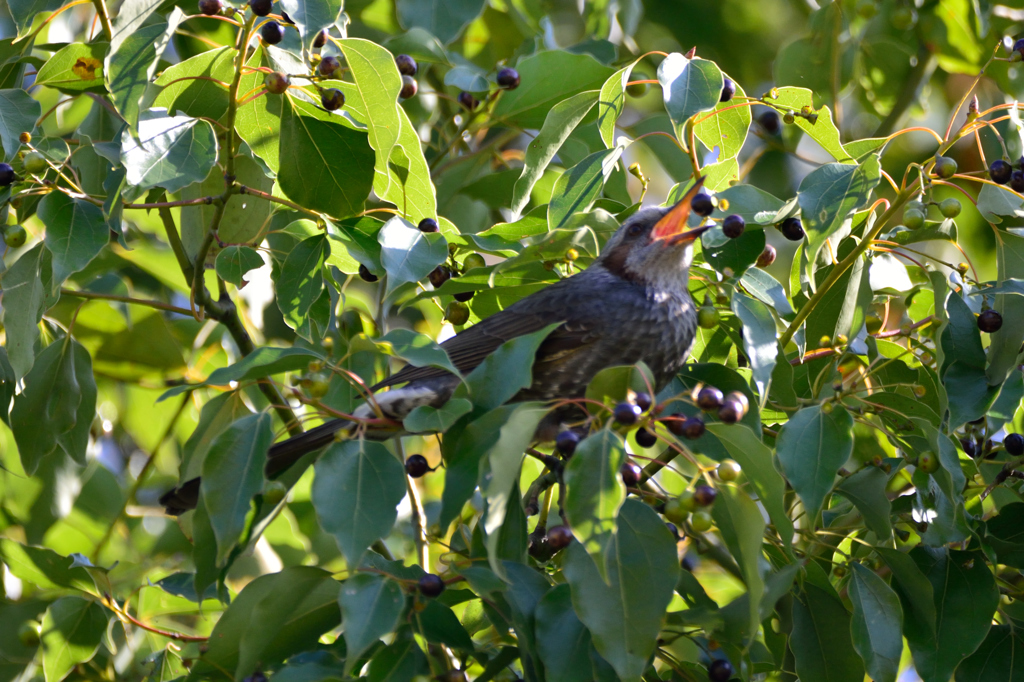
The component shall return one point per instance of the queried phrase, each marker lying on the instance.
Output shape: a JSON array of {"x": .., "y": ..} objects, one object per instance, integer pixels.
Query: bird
[{"x": 631, "y": 305}]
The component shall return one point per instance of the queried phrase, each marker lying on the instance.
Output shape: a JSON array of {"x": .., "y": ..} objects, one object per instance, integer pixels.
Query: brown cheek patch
[{"x": 615, "y": 262}]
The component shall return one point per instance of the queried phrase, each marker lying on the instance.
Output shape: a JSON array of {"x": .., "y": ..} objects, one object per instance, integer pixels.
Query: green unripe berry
[
  {"x": 903, "y": 18},
  {"x": 457, "y": 313},
  {"x": 913, "y": 218},
  {"x": 28, "y": 633},
  {"x": 637, "y": 89},
  {"x": 700, "y": 521},
  {"x": 950, "y": 207},
  {"x": 916, "y": 205},
  {"x": 927, "y": 462},
  {"x": 945, "y": 167},
  {"x": 687, "y": 500},
  {"x": 274, "y": 493},
  {"x": 474, "y": 260},
  {"x": 35, "y": 163},
  {"x": 708, "y": 317},
  {"x": 318, "y": 388},
  {"x": 15, "y": 236},
  {"x": 674, "y": 511},
  {"x": 728, "y": 470}
]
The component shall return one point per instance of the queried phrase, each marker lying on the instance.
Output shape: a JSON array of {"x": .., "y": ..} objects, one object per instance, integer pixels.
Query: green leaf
[
  {"x": 419, "y": 350},
  {"x": 965, "y": 597},
  {"x": 71, "y": 634},
  {"x": 24, "y": 12},
  {"x": 130, "y": 66},
  {"x": 407, "y": 254},
  {"x": 725, "y": 128},
  {"x": 576, "y": 189},
  {"x": 170, "y": 151},
  {"x": 443, "y": 18},
  {"x": 356, "y": 491},
  {"x": 821, "y": 640},
  {"x": 823, "y": 130},
  {"x": 877, "y": 624},
  {"x": 547, "y": 78},
  {"x": 233, "y": 262},
  {"x": 131, "y": 16},
  {"x": 43, "y": 567},
  {"x": 401, "y": 660},
  {"x": 829, "y": 193},
  {"x": 866, "y": 489},
  {"x": 624, "y": 615},
  {"x": 742, "y": 527},
  {"x": 689, "y": 86},
  {"x": 18, "y": 114},
  {"x": 26, "y": 295},
  {"x": 811, "y": 447},
  {"x": 768, "y": 290},
  {"x": 232, "y": 474},
  {"x": 732, "y": 256},
  {"x": 75, "y": 68},
  {"x": 562, "y": 641},
  {"x": 301, "y": 280},
  {"x": 370, "y": 607},
  {"x": 558, "y": 125},
  {"x": 750, "y": 203},
  {"x": 1003, "y": 352},
  {"x": 759, "y": 340},
  {"x": 312, "y": 16},
  {"x": 437, "y": 419},
  {"x": 594, "y": 493},
  {"x": 612, "y": 103},
  {"x": 468, "y": 78},
  {"x": 439, "y": 624},
  {"x": 996, "y": 658},
  {"x": 309, "y": 150},
  {"x": 75, "y": 441},
  {"x": 76, "y": 232},
  {"x": 505, "y": 371},
  {"x": 186, "y": 90}
]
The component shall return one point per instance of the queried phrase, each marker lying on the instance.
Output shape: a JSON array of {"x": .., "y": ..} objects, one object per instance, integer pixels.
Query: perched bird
[{"x": 630, "y": 305}]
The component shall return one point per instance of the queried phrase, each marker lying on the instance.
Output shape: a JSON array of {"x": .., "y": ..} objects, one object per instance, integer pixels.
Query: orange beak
[{"x": 672, "y": 227}]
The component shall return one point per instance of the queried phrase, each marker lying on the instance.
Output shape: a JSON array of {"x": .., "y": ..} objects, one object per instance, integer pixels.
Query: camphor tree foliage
[{"x": 223, "y": 223}]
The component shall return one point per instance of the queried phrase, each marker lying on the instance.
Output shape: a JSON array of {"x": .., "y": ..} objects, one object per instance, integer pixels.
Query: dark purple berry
[
  {"x": 321, "y": 39},
  {"x": 720, "y": 670},
  {"x": 467, "y": 100},
  {"x": 566, "y": 442},
  {"x": 709, "y": 398},
  {"x": 733, "y": 226},
  {"x": 1014, "y": 444},
  {"x": 672, "y": 528},
  {"x": 329, "y": 66},
  {"x": 702, "y": 204},
  {"x": 990, "y": 321},
  {"x": 431, "y": 585},
  {"x": 332, "y": 99},
  {"x": 728, "y": 90},
  {"x": 769, "y": 120},
  {"x": 1018, "y": 46},
  {"x": 792, "y": 229},
  {"x": 210, "y": 8},
  {"x": 257, "y": 676},
  {"x": 559, "y": 537},
  {"x": 675, "y": 423},
  {"x": 645, "y": 438},
  {"x": 417, "y": 466},
  {"x": 999, "y": 171},
  {"x": 704, "y": 495},
  {"x": 406, "y": 65},
  {"x": 643, "y": 401},
  {"x": 464, "y": 296},
  {"x": 693, "y": 428},
  {"x": 731, "y": 411},
  {"x": 630, "y": 473},
  {"x": 272, "y": 33},
  {"x": 261, "y": 8},
  {"x": 366, "y": 275},
  {"x": 627, "y": 413},
  {"x": 428, "y": 225},
  {"x": 439, "y": 275},
  {"x": 969, "y": 446},
  {"x": 508, "y": 78},
  {"x": 409, "y": 87},
  {"x": 1017, "y": 181},
  {"x": 276, "y": 83},
  {"x": 6, "y": 174},
  {"x": 767, "y": 256}
]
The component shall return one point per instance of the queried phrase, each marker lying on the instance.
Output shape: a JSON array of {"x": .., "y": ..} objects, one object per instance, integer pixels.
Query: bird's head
[{"x": 655, "y": 245}]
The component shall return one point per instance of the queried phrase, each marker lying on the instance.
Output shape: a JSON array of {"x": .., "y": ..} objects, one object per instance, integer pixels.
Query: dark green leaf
[
  {"x": 76, "y": 232},
  {"x": 439, "y": 624},
  {"x": 821, "y": 640},
  {"x": 877, "y": 624},
  {"x": 301, "y": 280},
  {"x": 812, "y": 446},
  {"x": 996, "y": 658},
  {"x": 18, "y": 114},
  {"x": 170, "y": 151},
  {"x": 234, "y": 261},
  {"x": 75, "y": 68},
  {"x": 759, "y": 340},
  {"x": 742, "y": 527},
  {"x": 505, "y": 371},
  {"x": 689, "y": 86},
  {"x": 130, "y": 66},
  {"x": 443, "y": 18},
  {"x": 547, "y": 78},
  {"x": 594, "y": 493},
  {"x": 370, "y": 606},
  {"x": 72, "y": 630},
  {"x": 829, "y": 193},
  {"x": 311, "y": 16},
  {"x": 577, "y": 189},
  {"x": 26, "y": 296},
  {"x": 866, "y": 489},
  {"x": 407, "y": 254},
  {"x": 562, "y": 641}
]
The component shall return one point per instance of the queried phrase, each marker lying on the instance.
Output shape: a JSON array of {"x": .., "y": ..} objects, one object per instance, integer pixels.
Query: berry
[
  {"x": 792, "y": 229},
  {"x": 645, "y": 438},
  {"x": 728, "y": 470},
  {"x": 1014, "y": 444},
  {"x": 473, "y": 260},
  {"x": 733, "y": 226},
  {"x": 6, "y": 174},
  {"x": 789, "y": 118},
  {"x": 950, "y": 208},
  {"x": 457, "y": 313},
  {"x": 28, "y": 633},
  {"x": 903, "y": 18},
  {"x": 417, "y": 466},
  {"x": 272, "y": 33},
  {"x": 867, "y": 9},
  {"x": 559, "y": 537},
  {"x": 409, "y": 87},
  {"x": 675, "y": 511},
  {"x": 630, "y": 473},
  {"x": 566, "y": 443},
  {"x": 927, "y": 462},
  {"x": 687, "y": 501},
  {"x": 637, "y": 89},
  {"x": 332, "y": 99},
  {"x": 428, "y": 225},
  {"x": 769, "y": 120},
  {"x": 261, "y": 8},
  {"x": 274, "y": 493},
  {"x": 25, "y": 138},
  {"x": 318, "y": 388},
  {"x": 720, "y": 670},
  {"x": 463, "y": 296},
  {"x": 999, "y": 171},
  {"x": 571, "y": 255},
  {"x": 971, "y": 449},
  {"x": 257, "y": 676},
  {"x": 643, "y": 401},
  {"x": 707, "y": 317},
  {"x": 672, "y": 528},
  {"x": 704, "y": 495},
  {"x": 366, "y": 275},
  {"x": 467, "y": 100},
  {"x": 508, "y": 78},
  {"x": 709, "y": 398},
  {"x": 276, "y": 83},
  {"x": 15, "y": 236},
  {"x": 328, "y": 66},
  {"x": 767, "y": 256},
  {"x": 693, "y": 428},
  {"x": 406, "y": 65},
  {"x": 439, "y": 275},
  {"x": 35, "y": 162},
  {"x": 626, "y": 413},
  {"x": 990, "y": 321},
  {"x": 728, "y": 90},
  {"x": 1017, "y": 181},
  {"x": 702, "y": 204},
  {"x": 431, "y": 585},
  {"x": 210, "y": 7},
  {"x": 320, "y": 40},
  {"x": 700, "y": 521},
  {"x": 1018, "y": 46},
  {"x": 913, "y": 218},
  {"x": 945, "y": 167}
]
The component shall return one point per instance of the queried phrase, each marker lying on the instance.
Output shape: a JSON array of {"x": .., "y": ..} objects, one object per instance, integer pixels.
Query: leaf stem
[{"x": 125, "y": 299}]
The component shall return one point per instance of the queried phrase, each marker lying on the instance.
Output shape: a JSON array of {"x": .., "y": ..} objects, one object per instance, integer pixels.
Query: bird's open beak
[{"x": 671, "y": 229}]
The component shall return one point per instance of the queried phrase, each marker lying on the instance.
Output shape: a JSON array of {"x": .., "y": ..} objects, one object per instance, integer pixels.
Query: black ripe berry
[
  {"x": 1018, "y": 46},
  {"x": 559, "y": 537},
  {"x": 320, "y": 40},
  {"x": 332, "y": 99},
  {"x": 431, "y": 585},
  {"x": 366, "y": 275},
  {"x": 728, "y": 90},
  {"x": 6, "y": 174},
  {"x": 990, "y": 321},
  {"x": 276, "y": 83},
  {"x": 733, "y": 226},
  {"x": 409, "y": 87},
  {"x": 210, "y": 7},
  {"x": 1014, "y": 444},
  {"x": 463, "y": 296},
  {"x": 428, "y": 225},
  {"x": 261, "y": 8},
  {"x": 508, "y": 78},
  {"x": 720, "y": 670},
  {"x": 566, "y": 442},
  {"x": 971, "y": 449},
  {"x": 702, "y": 204},
  {"x": 704, "y": 495},
  {"x": 406, "y": 65},
  {"x": 731, "y": 411},
  {"x": 1017, "y": 181},
  {"x": 272, "y": 33},
  {"x": 709, "y": 398},
  {"x": 792, "y": 229},
  {"x": 769, "y": 120},
  {"x": 643, "y": 401},
  {"x": 630, "y": 473},
  {"x": 645, "y": 438},
  {"x": 257, "y": 676},
  {"x": 416, "y": 466},
  {"x": 439, "y": 275},
  {"x": 999, "y": 171},
  {"x": 767, "y": 256},
  {"x": 627, "y": 413},
  {"x": 328, "y": 66},
  {"x": 467, "y": 100},
  {"x": 693, "y": 428}
]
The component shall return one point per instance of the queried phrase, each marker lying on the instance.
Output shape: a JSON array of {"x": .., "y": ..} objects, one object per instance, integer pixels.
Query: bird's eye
[{"x": 634, "y": 230}]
